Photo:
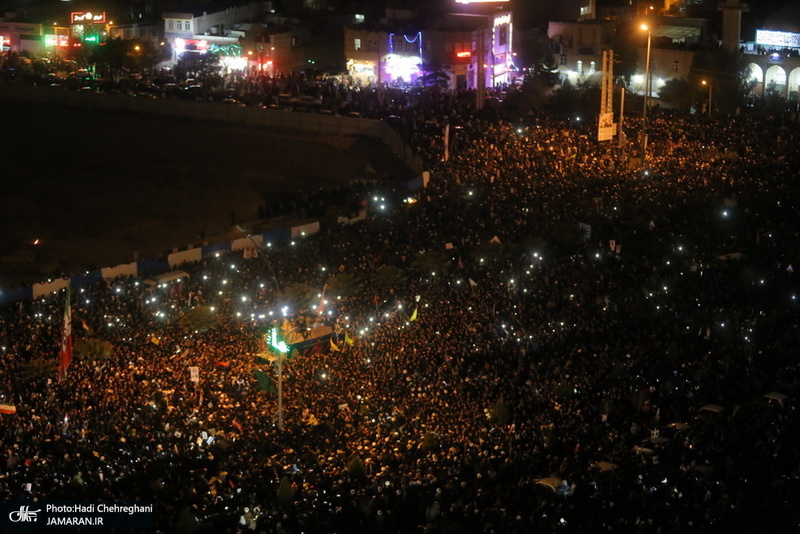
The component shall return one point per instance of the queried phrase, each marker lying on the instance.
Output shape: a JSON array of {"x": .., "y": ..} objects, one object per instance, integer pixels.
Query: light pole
[
  {"x": 646, "y": 95},
  {"x": 708, "y": 112},
  {"x": 271, "y": 339},
  {"x": 282, "y": 349}
]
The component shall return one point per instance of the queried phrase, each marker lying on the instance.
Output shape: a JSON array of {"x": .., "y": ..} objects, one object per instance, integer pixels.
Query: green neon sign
[{"x": 280, "y": 346}]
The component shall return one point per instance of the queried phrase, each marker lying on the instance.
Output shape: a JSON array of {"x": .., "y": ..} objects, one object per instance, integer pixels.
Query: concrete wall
[{"x": 310, "y": 123}]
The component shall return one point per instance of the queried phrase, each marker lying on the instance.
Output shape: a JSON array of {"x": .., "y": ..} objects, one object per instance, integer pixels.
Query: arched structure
[
  {"x": 755, "y": 78},
  {"x": 775, "y": 81}
]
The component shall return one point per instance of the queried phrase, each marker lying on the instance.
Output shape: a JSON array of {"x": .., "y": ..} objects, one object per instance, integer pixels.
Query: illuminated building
[
  {"x": 465, "y": 48},
  {"x": 88, "y": 26},
  {"x": 773, "y": 54},
  {"x": 189, "y": 34},
  {"x": 35, "y": 38},
  {"x": 578, "y": 46}
]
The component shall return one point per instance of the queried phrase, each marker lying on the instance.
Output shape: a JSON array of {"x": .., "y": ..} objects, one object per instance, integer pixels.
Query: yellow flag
[
  {"x": 334, "y": 347},
  {"x": 349, "y": 340},
  {"x": 414, "y": 315}
]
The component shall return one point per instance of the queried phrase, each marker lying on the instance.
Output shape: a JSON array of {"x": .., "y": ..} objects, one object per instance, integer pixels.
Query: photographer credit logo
[{"x": 23, "y": 515}]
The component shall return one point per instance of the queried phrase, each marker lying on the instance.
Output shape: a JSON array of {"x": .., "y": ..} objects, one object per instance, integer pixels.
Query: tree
[
  {"x": 356, "y": 468},
  {"x": 567, "y": 236},
  {"x": 430, "y": 441},
  {"x": 678, "y": 94},
  {"x": 345, "y": 285},
  {"x": 300, "y": 295},
  {"x": 499, "y": 413},
  {"x": 109, "y": 57},
  {"x": 490, "y": 253},
  {"x": 285, "y": 492},
  {"x": 93, "y": 350},
  {"x": 187, "y": 522},
  {"x": 534, "y": 51},
  {"x": 199, "y": 319},
  {"x": 194, "y": 64},
  {"x": 434, "y": 75},
  {"x": 431, "y": 262},
  {"x": 39, "y": 368},
  {"x": 535, "y": 90},
  {"x": 728, "y": 75},
  {"x": 566, "y": 99},
  {"x": 389, "y": 277},
  {"x": 626, "y": 57}
]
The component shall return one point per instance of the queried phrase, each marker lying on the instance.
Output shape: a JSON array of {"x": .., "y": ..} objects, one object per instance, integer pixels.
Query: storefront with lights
[
  {"x": 20, "y": 36},
  {"x": 503, "y": 68},
  {"x": 226, "y": 48},
  {"x": 88, "y": 27}
]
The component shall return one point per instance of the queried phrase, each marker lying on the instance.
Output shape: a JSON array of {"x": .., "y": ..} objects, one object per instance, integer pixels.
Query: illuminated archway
[
  {"x": 794, "y": 83},
  {"x": 775, "y": 80},
  {"x": 755, "y": 78}
]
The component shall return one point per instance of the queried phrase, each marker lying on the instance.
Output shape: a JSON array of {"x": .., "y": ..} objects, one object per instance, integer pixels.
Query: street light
[
  {"x": 276, "y": 349},
  {"x": 709, "y": 95},
  {"x": 282, "y": 349},
  {"x": 646, "y": 94}
]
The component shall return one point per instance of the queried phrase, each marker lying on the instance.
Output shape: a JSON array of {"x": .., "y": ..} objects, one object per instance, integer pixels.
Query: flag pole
[{"x": 65, "y": 352}]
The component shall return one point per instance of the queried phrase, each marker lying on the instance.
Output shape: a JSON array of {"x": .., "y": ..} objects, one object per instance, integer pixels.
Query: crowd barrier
[
  {"x": 157, "y": 266},
  {"x": 152, "y": 267}
]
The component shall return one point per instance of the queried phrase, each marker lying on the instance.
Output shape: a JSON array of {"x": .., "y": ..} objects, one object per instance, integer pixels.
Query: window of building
[
  {"x": 563, "y": 60},
  {"x": 357, "y": 44},
  {"x": 585, "y": 10},
  {"x": 675, "y": 66},
  {"x": 373, "y": 46},
  {"x": 579, "y": 67},
  {"x": 592, "y": 68},
  {"x": 358, "y": 18},
  {"x": 502, "y": 35},
  {"x": 171, "y": 24}
]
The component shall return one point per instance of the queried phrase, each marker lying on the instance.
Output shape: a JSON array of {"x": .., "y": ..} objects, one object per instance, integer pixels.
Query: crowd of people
[{"x": 577, "y": 344}]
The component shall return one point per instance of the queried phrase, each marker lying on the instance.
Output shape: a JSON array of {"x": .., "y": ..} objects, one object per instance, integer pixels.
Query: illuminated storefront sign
[
  {"x": 19, "y": 27},
  {"x": 464, "y": 54},
  {"x": 402, "y": 66},
  {"x": 191, "y": 45},
  {"x": 480, "y": 1},
  {"x": 234, "y": 63},
  {"x": 770, "y": 38},
  {"x": 505, "y": 18},
  {"x": 60, "y": 41},
  {"x": 79, "y": 17}
]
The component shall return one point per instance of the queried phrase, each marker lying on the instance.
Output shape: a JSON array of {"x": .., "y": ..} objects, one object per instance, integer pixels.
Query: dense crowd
[{"x": 579, "y": 346}]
